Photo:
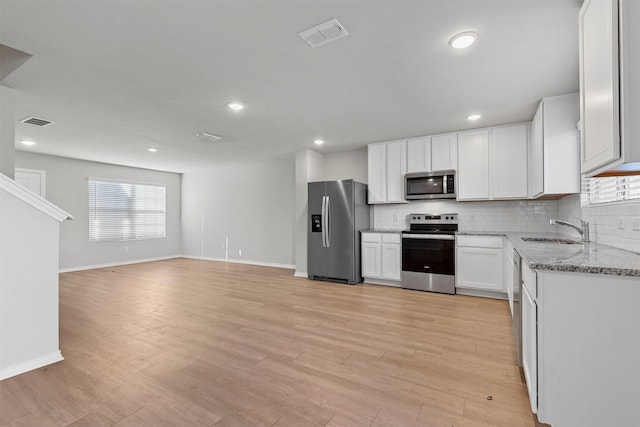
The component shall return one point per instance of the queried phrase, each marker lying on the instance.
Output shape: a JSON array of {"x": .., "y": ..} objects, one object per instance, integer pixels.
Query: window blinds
[
  {"x": 597, "y": 191},
  {"x": 126, "y": 211}
]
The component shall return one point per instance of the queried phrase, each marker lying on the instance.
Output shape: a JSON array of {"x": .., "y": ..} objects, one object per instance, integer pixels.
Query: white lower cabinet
[
  {"x": 479, "y": 263},
  {"x": 381, "y": 257},
  {"x": 581, "y": 347},
  {"x": 508, "y": 271},
  {"x": 530, "y": 335}
]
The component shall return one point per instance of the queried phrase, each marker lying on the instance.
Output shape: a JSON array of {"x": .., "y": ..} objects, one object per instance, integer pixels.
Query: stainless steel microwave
[{"x": 430, "y": 185}]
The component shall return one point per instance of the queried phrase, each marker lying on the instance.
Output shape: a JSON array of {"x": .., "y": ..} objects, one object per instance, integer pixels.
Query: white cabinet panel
[
  {"x": 387, "y": 162},
  {"x": 480, "y": 268},
  {"x": 554, "y": 154},
  {"x": 396, "y": 169},
  {"x": 508, "y": 164},
  {"x": 530, "y": 347},
  {"x": 381, "y": 256},
  {"x": 391, "y": 261},
  {"x": 444, "y": 152},
  {"x": 473, "y": 165},
  {"x": 599, "y": 83},
  {"x": 371, "y": 260},
  {"x": 377, "y": 166},
  {"x": 419, "y": 155}
]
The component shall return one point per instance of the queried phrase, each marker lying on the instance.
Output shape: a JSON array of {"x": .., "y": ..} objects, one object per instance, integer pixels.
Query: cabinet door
[
  {"x": 508, "y": 163},
  {"x": 473, "y": 165},
  {"x": 419, "y": 155},
  {"x": 444, "y": 152},
  {"x": 377, "y": 165},
  {"x": 396, "y": 168},
  {"x": 536, "y": 180},
  {"x": 530, "y": 347},
  {"x": 391, "y": 263},
  {"x": 508, "y": 273},
  {"x": 480, "y": 268},
  {"x": 371, "y": 260},
  {"x": 599, "y": 83}
]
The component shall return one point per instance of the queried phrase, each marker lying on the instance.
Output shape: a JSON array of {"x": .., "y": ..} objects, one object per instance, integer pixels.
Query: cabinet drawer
[
  {"x": 390, "y": 237},
  {"x": 371, "y": 237},
  {"x": 480, "y": 241},
  {"x": 530, "y": 281}
]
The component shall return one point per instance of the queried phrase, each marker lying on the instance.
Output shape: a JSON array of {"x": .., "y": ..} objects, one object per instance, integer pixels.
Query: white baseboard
[
  {"x": 301, "y": 274},
  {"x": 115, "y": 264},
  {"x": 481, "y": 293},
  {"x": 30, "y": 365},
  {"x": 243, "y": 261}
]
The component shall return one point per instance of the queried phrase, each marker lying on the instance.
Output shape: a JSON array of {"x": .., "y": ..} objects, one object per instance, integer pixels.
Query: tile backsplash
[
  {"x": 526, "y": 215},
  {"x": 614, "y": 225}
]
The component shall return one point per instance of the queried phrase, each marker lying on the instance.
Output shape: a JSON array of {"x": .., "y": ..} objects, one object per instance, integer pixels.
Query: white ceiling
[{"x": 119, "y": 76}]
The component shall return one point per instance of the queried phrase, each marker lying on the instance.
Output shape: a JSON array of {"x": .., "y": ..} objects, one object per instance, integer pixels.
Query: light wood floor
[{"x": 187, "y": 342}]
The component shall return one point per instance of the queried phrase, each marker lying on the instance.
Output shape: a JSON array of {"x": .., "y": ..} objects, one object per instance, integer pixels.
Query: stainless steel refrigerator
[{"x": 338, "y": 211}]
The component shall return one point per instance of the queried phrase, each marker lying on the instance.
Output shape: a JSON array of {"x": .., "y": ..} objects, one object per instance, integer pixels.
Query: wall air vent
[
  {"x": 323, "y": 33},
  {"x": 208, "y": 137},
  {"x": 36, "y": 121}
]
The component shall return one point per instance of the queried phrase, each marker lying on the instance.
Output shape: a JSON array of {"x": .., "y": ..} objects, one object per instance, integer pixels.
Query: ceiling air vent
[
  {"x": 208, "y": 137},
  {"x": 35, "y": 121},
  {"x": 323, "y": 33}
]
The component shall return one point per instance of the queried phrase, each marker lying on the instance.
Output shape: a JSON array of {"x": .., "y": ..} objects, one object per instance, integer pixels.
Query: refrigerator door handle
[
  {"x": 323, "y": 221},
  {"x": 328, "y": 222}
]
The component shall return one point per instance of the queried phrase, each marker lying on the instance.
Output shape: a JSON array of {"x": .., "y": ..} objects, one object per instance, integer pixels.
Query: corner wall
[
  {"x": 67, "y": 187},
  {"x": 241, "y": 213},
  {"x": 7, "y": 131}
]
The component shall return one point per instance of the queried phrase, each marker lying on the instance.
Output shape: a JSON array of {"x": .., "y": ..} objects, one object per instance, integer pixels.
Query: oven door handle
[{"x": 429, "y": 236}]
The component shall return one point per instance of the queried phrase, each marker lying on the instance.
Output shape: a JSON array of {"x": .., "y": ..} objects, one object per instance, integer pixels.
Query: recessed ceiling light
[
  {"x": 318, "y": 142},
  {"x": 235, "y": 106},
  {"x": 473, "y": 117},
  {"x": 152, "y": 150},
  {"x": 29, "y": 143},
  {"x": 462, "y": 40}
]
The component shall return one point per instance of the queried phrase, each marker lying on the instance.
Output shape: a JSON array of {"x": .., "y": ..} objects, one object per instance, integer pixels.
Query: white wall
[
  {"x": 251, "y": 204},
  {"x": 28, "y": 287},
  {"x": 346, "y": 165},
  {"x": 611, "y": 225},
  {"x": 67, "y": 187}
]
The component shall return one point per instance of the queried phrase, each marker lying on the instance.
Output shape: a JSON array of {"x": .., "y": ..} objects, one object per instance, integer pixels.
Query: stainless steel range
[{"x": 428, "y": 253}]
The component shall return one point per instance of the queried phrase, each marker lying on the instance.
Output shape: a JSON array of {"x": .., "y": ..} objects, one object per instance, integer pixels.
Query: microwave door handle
[{"x": 444, "y": 184}]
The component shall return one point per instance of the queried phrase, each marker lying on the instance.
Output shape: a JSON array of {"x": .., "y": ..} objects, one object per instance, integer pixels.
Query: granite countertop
[
  {"x": 580, "y": 257},
  {"x": 381, "y": 231}
]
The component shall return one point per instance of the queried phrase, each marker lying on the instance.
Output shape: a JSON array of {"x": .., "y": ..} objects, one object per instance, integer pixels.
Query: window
[
  {"x": 126, "y": 211},
  {"x": 609, "y": 190}
]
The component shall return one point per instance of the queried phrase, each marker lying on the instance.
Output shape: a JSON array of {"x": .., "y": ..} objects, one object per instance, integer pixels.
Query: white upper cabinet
[
  {"x": 396, "y": 169},
  {"x": 377, "y": 166},
  {"x": 508, "y": 161},
  {"x": 444, "y": 152},
  {"x": 473, "y": 165},
  {"x": 387, "y": 162},
  {"x": 609, "y": 86},
  {"x": 419, "y": 155},
  {"x": 492, "y": 163},
  {"x": 554, "y": 153}
]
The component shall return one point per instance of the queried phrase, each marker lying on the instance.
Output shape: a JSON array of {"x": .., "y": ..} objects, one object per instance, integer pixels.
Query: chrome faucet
[{"x": 584, "y": 231}]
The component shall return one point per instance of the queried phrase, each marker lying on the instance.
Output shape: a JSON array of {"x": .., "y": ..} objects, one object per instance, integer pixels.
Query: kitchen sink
[{"x": 550, "y": 240}]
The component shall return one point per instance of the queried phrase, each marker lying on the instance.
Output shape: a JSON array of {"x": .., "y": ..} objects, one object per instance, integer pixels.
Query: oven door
[{"x": 428, "y": 262}]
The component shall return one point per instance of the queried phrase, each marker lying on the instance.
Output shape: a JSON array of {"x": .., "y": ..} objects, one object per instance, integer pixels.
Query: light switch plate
[{"x": 620, "y": 223}]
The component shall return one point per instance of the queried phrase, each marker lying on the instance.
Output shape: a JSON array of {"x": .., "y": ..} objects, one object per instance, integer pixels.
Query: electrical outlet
[
  {"x": 620, "y": 223},
  {"x": 239, "y": 252},
  {"x": 126, "y": 248},
  {"x": 635, "y": 223},
  {"x": 395, "y": 218}
]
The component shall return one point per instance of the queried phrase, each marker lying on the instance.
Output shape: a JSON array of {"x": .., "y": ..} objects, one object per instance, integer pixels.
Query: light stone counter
[{"x": 580, "y": 257}]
